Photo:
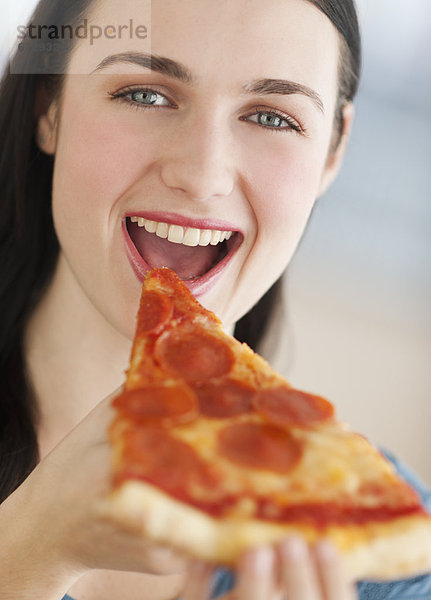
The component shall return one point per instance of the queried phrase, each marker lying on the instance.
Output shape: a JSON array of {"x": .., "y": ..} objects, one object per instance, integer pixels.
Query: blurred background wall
[
  {"x": 357, "y": 310},
  {"x": 12, "y": 14},
  {"x": 358, "y": 292}
]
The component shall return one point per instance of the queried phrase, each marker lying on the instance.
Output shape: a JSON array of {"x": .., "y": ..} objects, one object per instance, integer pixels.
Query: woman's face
[{"x": 233, "y": 137}]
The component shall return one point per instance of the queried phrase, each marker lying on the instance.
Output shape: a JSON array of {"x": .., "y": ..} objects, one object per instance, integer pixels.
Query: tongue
[{"x": 187, "y": 261}]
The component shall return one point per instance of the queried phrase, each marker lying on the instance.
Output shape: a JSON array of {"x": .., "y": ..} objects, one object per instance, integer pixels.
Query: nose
[{"x": 198, "y": 160}]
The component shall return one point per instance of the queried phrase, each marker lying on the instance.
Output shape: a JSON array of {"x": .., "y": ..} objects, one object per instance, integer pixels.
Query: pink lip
[{"x": 197, "y": 286}]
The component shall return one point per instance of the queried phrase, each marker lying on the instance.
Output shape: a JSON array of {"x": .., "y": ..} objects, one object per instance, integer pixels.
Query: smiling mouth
[{"x": 189, "y": 251}]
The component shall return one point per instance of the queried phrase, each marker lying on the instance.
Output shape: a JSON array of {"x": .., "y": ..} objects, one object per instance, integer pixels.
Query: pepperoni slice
[
  {"x": 260, "y": 446},
  {"x": 225, "y": 398},
  {"x": 287, "y": 406},
  {"x": 195, "y": 355},
  {"x": 154, "y": 455},
  {"x": 173, "y": 404},
  {"x": 155, "y": 310}
]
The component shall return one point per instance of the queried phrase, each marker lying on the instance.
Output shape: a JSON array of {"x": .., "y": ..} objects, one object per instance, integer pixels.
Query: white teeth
[
  {"x": 192, "y": 236},
  {"x": 215, "y": 238},
  {"x": 205, "y": 237},
  {"x": 150, "y": 226},
  {"x": 176, "y": 234},
  {"x": 162, "y": 230},
  {"x": 189, "y": 236}
]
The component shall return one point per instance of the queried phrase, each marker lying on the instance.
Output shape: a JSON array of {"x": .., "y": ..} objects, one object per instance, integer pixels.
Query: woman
[{"x": 239, "y": 125}]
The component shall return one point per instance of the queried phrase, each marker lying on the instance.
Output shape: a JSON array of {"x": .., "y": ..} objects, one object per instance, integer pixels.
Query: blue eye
[
  {"x": 269, "y": 120},
  {"x": 148, "y": 98},
  {"x": 141, "y": 97},
  {"x": 274, "y": 121}
]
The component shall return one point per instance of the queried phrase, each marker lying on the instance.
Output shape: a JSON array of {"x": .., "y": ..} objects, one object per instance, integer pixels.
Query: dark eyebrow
[
  {"x": 166, "y": 66},
  {"x": 283, "y": 87},
  {"x": 176, "y": 70}
]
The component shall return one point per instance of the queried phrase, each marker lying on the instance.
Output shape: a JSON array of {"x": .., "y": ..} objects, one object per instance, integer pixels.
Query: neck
[{"x": 75, "y": 357}]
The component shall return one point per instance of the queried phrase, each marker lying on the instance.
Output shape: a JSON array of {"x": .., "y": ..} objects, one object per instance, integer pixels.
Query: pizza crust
[{"x": 396, "y": 549}]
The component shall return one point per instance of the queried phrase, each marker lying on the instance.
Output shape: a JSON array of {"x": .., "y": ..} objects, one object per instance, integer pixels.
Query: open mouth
[{"x": 191, "y": 252}]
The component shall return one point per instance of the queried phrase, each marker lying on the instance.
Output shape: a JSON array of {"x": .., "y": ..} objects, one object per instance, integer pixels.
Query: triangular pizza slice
[{"x": 218, "y": 453}]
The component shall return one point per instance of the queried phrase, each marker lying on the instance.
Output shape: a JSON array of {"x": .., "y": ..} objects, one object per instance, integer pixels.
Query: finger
[
  {"x": 256, "y": 575},
  {"x": 334, "y": 582},
  {"x": 198, "y": 581},
  {"x": 298, "y": 576},
  {"x": 162, "y": 559}
]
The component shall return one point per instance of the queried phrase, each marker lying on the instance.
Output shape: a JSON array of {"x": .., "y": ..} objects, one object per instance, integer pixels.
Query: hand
[
  {"x": 53, "y": 528},
  {"x": 289, "y": 570},
  {"x": 75, "y": 480}
]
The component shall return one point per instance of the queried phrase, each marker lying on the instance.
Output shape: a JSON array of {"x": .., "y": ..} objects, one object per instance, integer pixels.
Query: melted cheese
[{"x": 335, "y": 463}]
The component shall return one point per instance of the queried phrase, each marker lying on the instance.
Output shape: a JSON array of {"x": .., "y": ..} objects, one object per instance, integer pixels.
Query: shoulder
[
  {"x": 410, "y": 476},
  {"x": 418, "y": 588},
  {"x": 223, "y": 581}
]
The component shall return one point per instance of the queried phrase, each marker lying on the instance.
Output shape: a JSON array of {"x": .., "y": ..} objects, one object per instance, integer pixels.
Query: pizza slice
[{"x": 217, "y": 453}]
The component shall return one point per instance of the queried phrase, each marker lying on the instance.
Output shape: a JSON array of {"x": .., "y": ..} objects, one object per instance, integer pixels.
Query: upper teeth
[{"x": 189, "y": 236}]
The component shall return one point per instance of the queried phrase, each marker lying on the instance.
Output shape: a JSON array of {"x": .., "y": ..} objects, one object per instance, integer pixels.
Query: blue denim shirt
[{"x": 417, "y": 588}]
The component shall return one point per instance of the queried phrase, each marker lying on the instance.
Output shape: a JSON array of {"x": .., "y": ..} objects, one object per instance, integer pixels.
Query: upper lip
[{"x": 176, "y": 219}]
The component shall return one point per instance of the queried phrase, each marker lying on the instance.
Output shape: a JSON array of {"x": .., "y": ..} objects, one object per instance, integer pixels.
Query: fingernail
[
  {"x": 325, "y": 551},
  {"x": 260, "y": 560},
  {"x": 294, "y": 548}
]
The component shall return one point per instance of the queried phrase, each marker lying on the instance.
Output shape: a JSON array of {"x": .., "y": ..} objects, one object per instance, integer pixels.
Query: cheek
[
  {"x": 282, "y": 181},
  {"x": 286, "y": 182},
  {"x": 97, "y": 160}
]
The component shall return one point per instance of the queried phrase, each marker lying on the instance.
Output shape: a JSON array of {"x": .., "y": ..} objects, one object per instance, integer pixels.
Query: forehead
[{"x": 234, "y": 40}]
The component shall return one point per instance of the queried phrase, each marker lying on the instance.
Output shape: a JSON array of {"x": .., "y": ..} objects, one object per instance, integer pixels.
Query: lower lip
[{"x": 198, "y": 286}]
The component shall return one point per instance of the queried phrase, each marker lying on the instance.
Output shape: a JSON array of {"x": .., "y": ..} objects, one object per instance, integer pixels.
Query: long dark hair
[{"x": 28, "y": 243}]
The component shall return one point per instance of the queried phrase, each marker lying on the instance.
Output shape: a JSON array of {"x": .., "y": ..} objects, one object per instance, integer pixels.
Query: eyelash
[{"x": 292, "y": 125}]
